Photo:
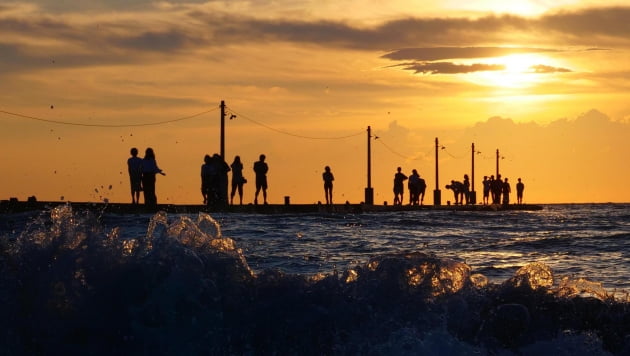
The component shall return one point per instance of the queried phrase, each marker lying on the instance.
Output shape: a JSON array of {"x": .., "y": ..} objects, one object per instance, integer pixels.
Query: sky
[{"x": 540, "y": 86}]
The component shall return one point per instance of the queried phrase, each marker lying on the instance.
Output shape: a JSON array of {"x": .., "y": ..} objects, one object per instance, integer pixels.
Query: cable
[
  {"x": 380, "y": 140},
  {"x": 292, "y": 134},
  {"x": 58, "y": 122}
]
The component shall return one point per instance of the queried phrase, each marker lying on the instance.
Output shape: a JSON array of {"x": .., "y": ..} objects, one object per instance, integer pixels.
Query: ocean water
[{"x": 399, "y": 283}]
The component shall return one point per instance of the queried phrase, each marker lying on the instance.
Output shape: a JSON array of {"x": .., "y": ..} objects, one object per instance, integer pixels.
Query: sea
[{"x": 419, "y": 282}]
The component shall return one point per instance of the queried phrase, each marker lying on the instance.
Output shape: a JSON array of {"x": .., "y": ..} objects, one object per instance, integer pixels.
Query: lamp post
[
  {"x": 437, "y": 194},
  {"x": 369, "y": 191}
]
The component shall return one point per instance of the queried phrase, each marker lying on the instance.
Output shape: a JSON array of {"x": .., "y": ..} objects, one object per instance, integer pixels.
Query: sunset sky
[{"x": 547, "y": 83}]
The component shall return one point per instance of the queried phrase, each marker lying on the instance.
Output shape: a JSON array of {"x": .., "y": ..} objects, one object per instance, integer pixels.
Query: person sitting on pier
[{"x": 399, "y": 187}]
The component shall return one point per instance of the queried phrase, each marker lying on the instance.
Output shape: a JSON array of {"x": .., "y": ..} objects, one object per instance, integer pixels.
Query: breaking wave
[{"x": 70, "y": 286}]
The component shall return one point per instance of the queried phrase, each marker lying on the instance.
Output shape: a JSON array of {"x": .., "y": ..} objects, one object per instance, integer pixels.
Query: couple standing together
[{"x": 142, "y": 172}]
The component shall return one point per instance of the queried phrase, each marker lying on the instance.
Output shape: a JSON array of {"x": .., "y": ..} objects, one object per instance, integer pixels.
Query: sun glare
[{"x": 518, "y": 71}]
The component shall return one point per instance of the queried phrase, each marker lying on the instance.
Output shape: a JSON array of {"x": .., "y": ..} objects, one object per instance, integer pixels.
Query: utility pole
[
  {"x": 473, "y": 194},
  {"x": 497, "y": 163},
  {"x": 437, "y": 194},
  {"x": 369, "y": 192},
  {"x": 223, "y": 129}
]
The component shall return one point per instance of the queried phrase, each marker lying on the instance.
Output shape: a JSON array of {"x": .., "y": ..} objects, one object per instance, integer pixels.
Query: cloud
[
  {"x": 441, "y": 53},
  {"x": 135, "y": 36},
  {"x": 541, "y": 68},
  {"x": 450, "y": 68}
]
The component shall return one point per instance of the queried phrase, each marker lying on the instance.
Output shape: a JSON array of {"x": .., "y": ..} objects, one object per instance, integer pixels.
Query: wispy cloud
[
  {"x": 442, "y": 53},
  {"x": 450, "y": 68},
  {"x": 541, "y": 68}
]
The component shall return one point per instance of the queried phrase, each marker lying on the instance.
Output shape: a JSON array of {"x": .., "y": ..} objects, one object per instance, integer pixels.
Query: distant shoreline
[{"x": 7, "y": 206}]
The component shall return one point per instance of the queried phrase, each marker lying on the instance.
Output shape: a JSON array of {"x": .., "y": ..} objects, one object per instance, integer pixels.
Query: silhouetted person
[
  {"x": 149, "y": 170},
  {"x": 328, "y": 178},
  {"x": 466, "y": 190},
  {"x": 486, "y": 189},
  {"x": 399, "y": 187},
  {"x": 496, "y": 189},
  {"x": 414, "y": 187},
  {"x": 221, "y": 183},
  {"x": 422, "y": 187},
  {"x": 519, "y": 191},
  {"x": 458, "y": 190},
  {"x": 208, "y": 174},
  {"x": 261, "y": 168},
  {"x": 134, "y": 166},
  {"x": 237, "y": 179},
  {"x": 506, "y": 190}
]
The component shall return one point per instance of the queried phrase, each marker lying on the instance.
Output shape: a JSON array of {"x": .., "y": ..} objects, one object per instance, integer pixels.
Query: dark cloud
[
  {"x": 168, "y": 41},
  {"x": 441, "y": 53},
  {"x": 420, "y": 39},
  {"x": 450, "y": 68}
]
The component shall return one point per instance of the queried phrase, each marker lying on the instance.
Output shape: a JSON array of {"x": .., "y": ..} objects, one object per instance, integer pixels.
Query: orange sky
[{"x": 545, "y": 82}]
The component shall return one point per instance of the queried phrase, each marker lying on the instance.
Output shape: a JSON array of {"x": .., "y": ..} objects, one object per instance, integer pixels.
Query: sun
[{"x": 517, "y": 71}]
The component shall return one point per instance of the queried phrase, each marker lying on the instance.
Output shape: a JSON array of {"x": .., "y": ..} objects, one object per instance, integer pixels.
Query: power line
[
  {"x": 292, "y": 134},
  {"x": 408, "y": 158},
  {"x": 59, "y": 122}
]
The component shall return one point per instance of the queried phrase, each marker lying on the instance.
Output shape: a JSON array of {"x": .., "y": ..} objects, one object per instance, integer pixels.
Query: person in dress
[
  {"x": 237, "y": 180},
  {"x": 149, "y": 170},
  {"x": 328, "y": 178}
]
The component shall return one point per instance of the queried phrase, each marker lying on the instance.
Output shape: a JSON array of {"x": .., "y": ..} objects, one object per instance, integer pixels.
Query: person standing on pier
[
  {"x": 519, "y": 191},
  {"x": 506, "y": 190},
  {"x": 486, "y": 189},
  {"x": 261, "y": 168},
  {"x": 399, "y": 187},
  {"x": 422, "y": 187},
  {"x": 237, "y": 180},
  {"x": 328, "y": 178},
  {"x": 414, "y": 187},
  {"x": 134, "y": 166},
  {"x": 149, "y": 170},
  {"x": 466, "y": 190},
  {"x": 208, "y": 173}
]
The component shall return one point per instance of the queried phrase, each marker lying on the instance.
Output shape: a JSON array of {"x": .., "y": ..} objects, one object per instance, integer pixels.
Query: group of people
[
  {"x": 416, "y": 185},
  {"x": 499, "y": 189},
  {"x": 214, "y": 179},
  {"x": 214, "y": 182},
  {"x": 142, "y": 172}
]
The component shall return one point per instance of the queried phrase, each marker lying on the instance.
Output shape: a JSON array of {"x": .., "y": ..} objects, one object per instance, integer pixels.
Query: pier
[{"x": 11, "y": 206}]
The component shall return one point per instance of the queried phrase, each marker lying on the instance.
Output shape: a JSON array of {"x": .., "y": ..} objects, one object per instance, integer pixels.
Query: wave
[{"x": 70, "y": 285}]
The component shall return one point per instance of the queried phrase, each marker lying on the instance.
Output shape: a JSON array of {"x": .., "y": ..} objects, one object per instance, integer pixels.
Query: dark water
[{"x": 410, "y": 283}]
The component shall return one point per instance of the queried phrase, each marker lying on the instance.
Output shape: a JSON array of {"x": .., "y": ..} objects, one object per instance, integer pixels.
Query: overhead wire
[
  {"x": 60, "y": 122},
  {"x": 240, "y": 115}
]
